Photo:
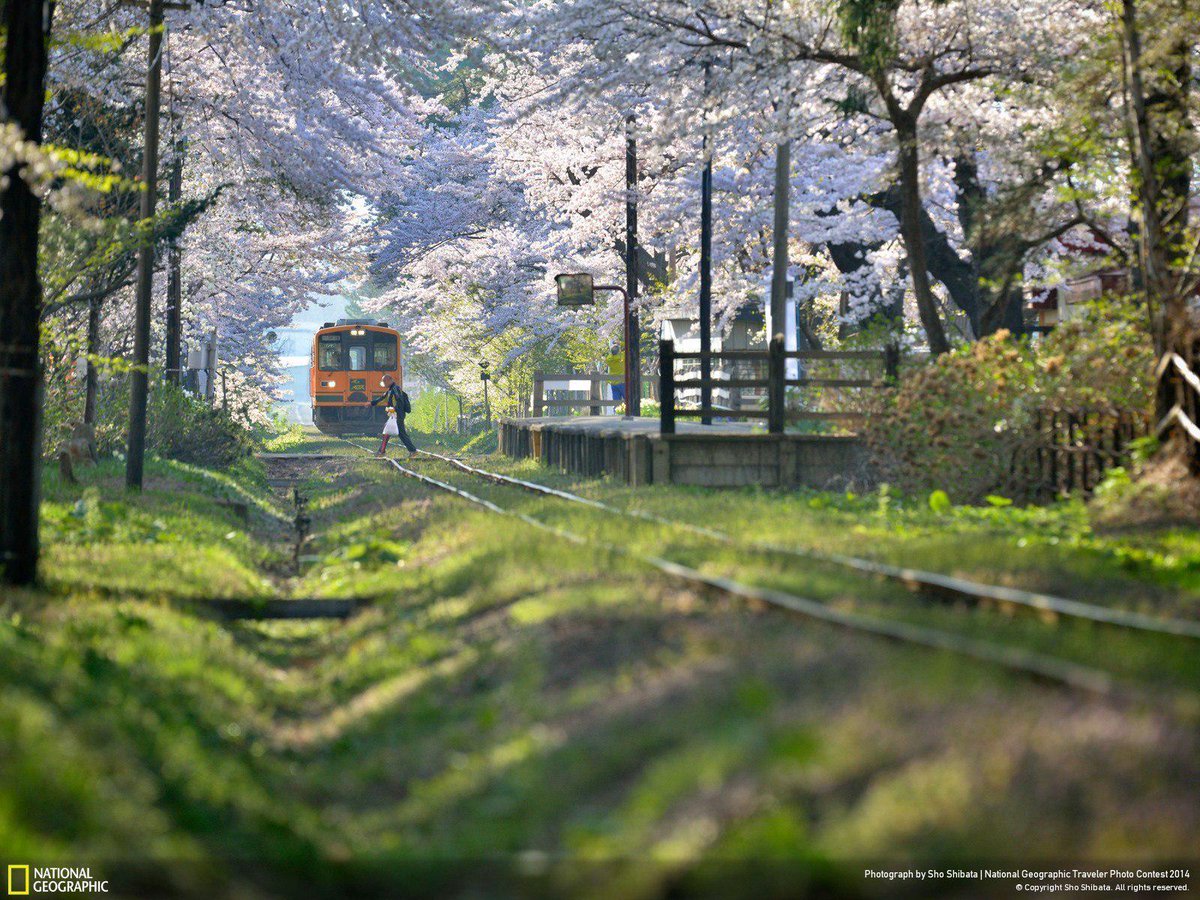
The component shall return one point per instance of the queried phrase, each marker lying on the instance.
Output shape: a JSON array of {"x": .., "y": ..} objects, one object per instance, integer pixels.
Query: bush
[
  {"x": 178, "y": 426},
  {"x": 961, "y": 423},
  {"x": 956, "y": 423},
  {"x": 183, "y": 428}
]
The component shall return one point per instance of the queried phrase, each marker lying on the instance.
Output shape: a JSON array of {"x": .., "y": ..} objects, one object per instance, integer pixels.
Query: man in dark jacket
[{"x": 396, "y": 400}]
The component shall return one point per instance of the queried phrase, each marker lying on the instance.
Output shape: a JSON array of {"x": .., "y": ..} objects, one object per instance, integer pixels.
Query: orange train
[{"x": 349, "y": 359}]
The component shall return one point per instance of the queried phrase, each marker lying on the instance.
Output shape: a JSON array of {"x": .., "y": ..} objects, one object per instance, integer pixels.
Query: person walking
[
  {"x": 616, "y": 366},
  {"x": 398, "y": 406}
]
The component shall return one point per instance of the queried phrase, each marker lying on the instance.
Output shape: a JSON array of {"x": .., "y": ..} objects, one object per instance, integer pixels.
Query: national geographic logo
[{"x": 26, "y": 880}]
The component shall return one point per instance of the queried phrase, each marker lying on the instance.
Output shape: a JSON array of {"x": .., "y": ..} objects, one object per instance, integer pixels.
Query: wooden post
[
  {"x": 1054, "y": 452},
  {"x": 666, "y": 381},
  {"x": 776, "y": 369},
  {"x": 891, "y": 363},
  {"x": 1086, "y": 448},
  {"x": 539, "y": 396},
  {"x": 1070, "y": 461},
  {"x": 594, "y": 393},
  {"x": 1039, "y": 450},
  {"x": 140, "y": 380}
]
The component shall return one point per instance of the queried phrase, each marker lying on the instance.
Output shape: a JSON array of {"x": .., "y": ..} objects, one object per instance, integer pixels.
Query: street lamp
[{"x": 579, "y": 289}]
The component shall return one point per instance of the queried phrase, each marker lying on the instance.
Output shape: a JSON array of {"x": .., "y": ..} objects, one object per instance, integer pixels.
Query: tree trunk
[
  {"x": 140, "y": 377},
  {"x": 909, "y": 170},
  {"x": 1163, "y": 138},
  {"x": 27, "y": 24},
  {"x": 93, "y": 347},
  {"x": 996, "y": 261}
]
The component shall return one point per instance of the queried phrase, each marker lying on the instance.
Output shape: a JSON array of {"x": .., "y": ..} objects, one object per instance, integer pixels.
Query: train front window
[
  {"x": 357, "y": 355},
  {"x": 383, "y": 349},
  {"x": 329, "y": 355}
]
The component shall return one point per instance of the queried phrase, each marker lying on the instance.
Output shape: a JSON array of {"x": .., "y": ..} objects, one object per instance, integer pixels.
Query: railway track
[
  {"x": 1039, "y": 666},
  {"x": 933, "y": 583}
]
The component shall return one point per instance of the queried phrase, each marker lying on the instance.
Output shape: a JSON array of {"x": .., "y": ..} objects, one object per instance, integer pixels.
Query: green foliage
[
  {"x": 508, "y": 692},
  {"x": 956, "y": 421},
  {"x": 870, "y": 27},
  {"x": 939, "y": 502},
  {"x": 373, "y": 551},
  {"x": 967, "y": 418},
  {"x": 91, "y": 520},
  {"x": 184, "y": 428},
  {"x": 484, "y": 442},
  {"x": 178, "y": 425},
  {"x": 433, "y": 411}
]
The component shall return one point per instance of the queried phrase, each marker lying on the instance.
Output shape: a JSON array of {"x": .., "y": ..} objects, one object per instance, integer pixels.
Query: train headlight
[
  {"x": 328, "y": 384},
  {"x": 358, "y": 332}
]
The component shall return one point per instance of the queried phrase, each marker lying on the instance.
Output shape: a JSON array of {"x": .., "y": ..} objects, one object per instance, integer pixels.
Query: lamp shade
[{"x": 575, "y": 290}]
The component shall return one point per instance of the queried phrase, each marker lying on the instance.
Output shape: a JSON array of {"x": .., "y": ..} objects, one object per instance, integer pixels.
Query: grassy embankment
[{"x": 512, "y": 696}]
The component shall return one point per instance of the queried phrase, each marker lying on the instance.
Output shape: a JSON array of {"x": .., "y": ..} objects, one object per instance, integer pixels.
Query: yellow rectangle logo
[{"x": 13, "y": 890}]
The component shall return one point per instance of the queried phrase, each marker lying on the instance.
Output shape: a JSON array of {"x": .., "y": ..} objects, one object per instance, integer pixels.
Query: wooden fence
[
  {"x": 1178, "y": 391},
  {"x": 1072, "y": 449},
  {"x": 775, "y": 382},
  {"x": 595, "y": 401}
]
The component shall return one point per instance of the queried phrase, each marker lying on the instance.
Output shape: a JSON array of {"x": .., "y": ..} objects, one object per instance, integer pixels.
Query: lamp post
[
  {"x": 578, "y": 289},
  {"x": 706, "y": 265}
]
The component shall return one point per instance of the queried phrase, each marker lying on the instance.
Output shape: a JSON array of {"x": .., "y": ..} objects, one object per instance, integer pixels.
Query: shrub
[
  {"x": 961, "y": 423},
  {"x": 956, "y": 423},
  {"x": 183, "y": 428},
  {"x": 178, "y": 426}
]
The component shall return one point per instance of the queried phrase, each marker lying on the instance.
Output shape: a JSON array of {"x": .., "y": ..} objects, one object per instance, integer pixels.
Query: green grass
[
  {"x": 1049, "y": 548},
  {"x": 557, "y": 710}
]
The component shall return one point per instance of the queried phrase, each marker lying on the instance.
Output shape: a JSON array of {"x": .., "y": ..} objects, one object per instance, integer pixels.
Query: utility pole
[
  {"x": 783, "y": 166},
  {"x": 706, "y": 265},
  {"x": 135, "y": 460},
  {"x": 26, "y": 28},
  {"x": 174, "y": 275},
  {"x": 633, "y": 367}
]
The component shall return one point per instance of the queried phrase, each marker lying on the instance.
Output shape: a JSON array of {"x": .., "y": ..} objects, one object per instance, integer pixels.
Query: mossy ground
[{"x": 512, "y": 705}]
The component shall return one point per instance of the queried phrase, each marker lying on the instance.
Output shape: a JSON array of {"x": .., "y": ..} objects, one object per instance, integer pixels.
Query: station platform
[{"x": 724, "y": 454}]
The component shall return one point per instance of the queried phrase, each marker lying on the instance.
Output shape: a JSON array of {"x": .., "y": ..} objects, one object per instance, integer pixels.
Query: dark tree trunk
[
  {"x": 943, "y": 261},
  {"x": 93, "y": 348},
  {"x": 909, "y": 169},
  {"x": 1163, "y": 140},
  {"x": 140, "y": 378},
  {"x": 996, "y": 260},
  {"x": 27, "y": 24}
]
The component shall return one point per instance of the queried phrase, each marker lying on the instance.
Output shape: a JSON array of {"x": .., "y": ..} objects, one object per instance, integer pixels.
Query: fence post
[
  {"x": 539, "y": 396},
  {"x": 666, "y": 387},
  {"x": 776, "y": 371},
  {"x": 891, "y": 363},
  {"x": 1055, "y": 454},
  {"x": 594, "y": 393}
]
